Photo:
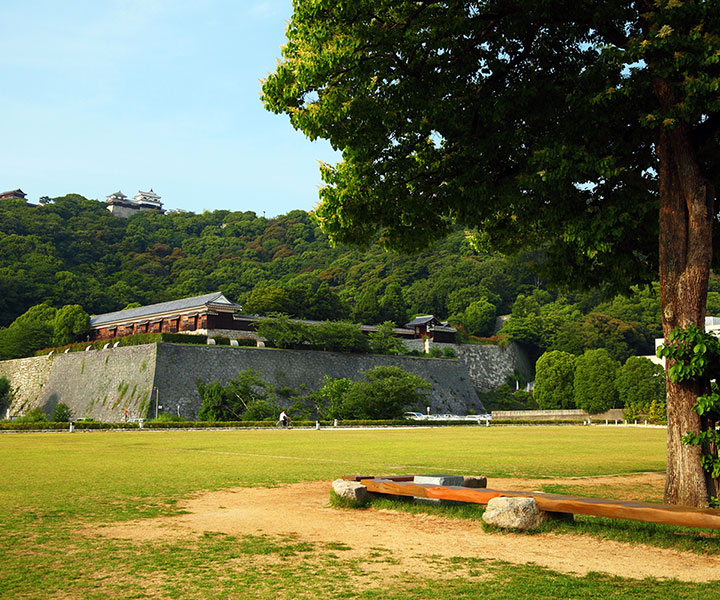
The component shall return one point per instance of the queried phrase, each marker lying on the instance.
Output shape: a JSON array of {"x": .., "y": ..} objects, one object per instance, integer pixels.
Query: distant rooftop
[
  {"x": 19, "y": 194},
  {"x": 421, "y": 320}
]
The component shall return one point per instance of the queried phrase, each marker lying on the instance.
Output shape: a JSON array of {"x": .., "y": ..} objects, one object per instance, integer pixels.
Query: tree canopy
[
  {"x": 533, "y": 125},
  {"x": 554, "y": 376},
  {"x": 586, "y": 129}
]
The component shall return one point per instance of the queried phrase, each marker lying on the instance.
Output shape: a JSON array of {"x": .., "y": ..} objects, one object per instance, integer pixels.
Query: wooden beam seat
[{"x": 686, "y": 516}]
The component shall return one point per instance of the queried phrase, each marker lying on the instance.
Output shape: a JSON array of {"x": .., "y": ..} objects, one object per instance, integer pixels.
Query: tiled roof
[
  {"x": 421, "y": 320},
  {"x": 131, "y": 314}
]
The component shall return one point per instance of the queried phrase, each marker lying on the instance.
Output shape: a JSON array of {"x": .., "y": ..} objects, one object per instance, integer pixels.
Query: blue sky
[{"x": 108, "y": 95}]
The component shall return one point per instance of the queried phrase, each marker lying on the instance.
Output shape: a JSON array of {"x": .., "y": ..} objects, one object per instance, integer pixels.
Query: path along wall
[{"x": 103, "y": 384}]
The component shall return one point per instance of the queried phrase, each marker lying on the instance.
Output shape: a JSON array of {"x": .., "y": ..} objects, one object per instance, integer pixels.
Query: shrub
[
  {"x": 61, "y": 413},
  {"x": 384, "y": 340},
  {"x": 231, "y": 401},
  {"x": 136, "y": 339},
  {"x": 36, "y": 415},
  {"x": 386, "y": 393},
  {"x": 221, "y": 340},
  {"x": 180, "y": 338},
  {"x": 4, "y": 395},
  {"x": 260, "y": 410}
]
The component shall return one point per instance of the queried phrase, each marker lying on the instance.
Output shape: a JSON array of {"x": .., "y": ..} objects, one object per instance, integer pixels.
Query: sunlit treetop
[{"x": 534, "y": 123}]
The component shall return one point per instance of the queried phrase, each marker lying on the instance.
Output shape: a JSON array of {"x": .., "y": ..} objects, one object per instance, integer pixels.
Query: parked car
[{"x": 415, "y": 416}]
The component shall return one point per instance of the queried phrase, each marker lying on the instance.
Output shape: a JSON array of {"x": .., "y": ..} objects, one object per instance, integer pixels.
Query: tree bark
[{"x": 686, "y": 213}]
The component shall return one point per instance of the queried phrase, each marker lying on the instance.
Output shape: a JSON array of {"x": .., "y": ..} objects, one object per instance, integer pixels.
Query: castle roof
[{"x": 215, "y": 301}]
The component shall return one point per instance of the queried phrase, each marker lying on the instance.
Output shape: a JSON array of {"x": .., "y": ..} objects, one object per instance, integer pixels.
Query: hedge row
[
  {"x": 80, "y": 425},
  {"x": 50, "y": 426}
]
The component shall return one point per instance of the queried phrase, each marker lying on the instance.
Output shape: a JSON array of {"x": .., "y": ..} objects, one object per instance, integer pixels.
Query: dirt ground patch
[{"x": 303, "y": 510}]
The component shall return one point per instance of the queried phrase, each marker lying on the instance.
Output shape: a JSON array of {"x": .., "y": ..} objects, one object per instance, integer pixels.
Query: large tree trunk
[{"x": 686, "y": 211}]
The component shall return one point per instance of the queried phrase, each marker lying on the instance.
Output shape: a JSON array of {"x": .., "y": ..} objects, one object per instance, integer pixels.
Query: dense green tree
[
  {"x": 338, "y": 336},
  {"x": 640, "y": 383},
  {"x": 31, "y": 331},
  {"x": 581, "y": 129},
  {"x": 385, "y": 394},
  {"x": 367, "y": 307},
  {"x": 619, "y": 338},
  {"x": 266, "y": 300},
  {"x": 594, "y": 387},
  {"x": 642, "y": 308},
  {"x": 713, "y": 304},
  {"x": 329, "y": 398},
  {"x": 479, "y": 318},
  {"x": 459, "y": 300},
  {"x": 393, "y": 305},
  {"x": 70, "y": 322},
  {"x": 284, "y": 332},
  {"x": 554, "y": 378},
  {"x": 214, "y": 404},
  {"x": 324, "y": 304}
]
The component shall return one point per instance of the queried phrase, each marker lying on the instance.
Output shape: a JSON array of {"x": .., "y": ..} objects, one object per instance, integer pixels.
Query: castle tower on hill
[{"x": 121, "y": 206}]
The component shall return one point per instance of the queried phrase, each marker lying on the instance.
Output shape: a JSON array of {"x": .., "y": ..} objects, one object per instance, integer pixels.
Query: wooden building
[
  {"x": 200, "y": 314},
  {"x": 429, "y": 326},
  {"x": 13, "y": 195},
  {"x": 213, "y": 314}
]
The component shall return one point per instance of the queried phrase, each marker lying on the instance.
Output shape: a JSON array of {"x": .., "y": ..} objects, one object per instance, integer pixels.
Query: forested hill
[{"x": 73, "y": 251}]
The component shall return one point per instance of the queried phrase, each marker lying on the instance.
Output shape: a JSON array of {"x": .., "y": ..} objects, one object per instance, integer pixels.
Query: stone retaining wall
[
  {"x": 27, "y": 377},
  {"x": 180, "y": 367},
  {"x": 103, "y": 384}
]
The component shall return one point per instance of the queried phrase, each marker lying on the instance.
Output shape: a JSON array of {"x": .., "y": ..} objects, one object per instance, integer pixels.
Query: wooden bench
[{"x": 667, "y": 514}]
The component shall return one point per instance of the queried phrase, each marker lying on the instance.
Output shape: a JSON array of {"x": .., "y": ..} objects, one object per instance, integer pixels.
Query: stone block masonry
[
  {"x": 103, "y": 384},
  {"x": 180, "y": 367},
  {"x": 27, "y": 378},
  {"x": 490, "y": 366},
  {"x": 98, "y": 384}
]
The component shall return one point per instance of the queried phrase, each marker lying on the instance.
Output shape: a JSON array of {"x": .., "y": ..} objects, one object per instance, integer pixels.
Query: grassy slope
[{"x": 52, "y": 484}]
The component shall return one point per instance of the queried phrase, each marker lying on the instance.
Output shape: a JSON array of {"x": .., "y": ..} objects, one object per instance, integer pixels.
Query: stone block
[
  {"x": 475, "y": 481},
  {"x": 440, "y": 479},
  {"x": 351, "y": 490},
  {"x": 514, "y": 513},
  {"x": 456, "y": 480}
]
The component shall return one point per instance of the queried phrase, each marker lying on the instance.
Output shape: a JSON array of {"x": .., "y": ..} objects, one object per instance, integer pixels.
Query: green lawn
[{"x": 53, "y": 485}]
